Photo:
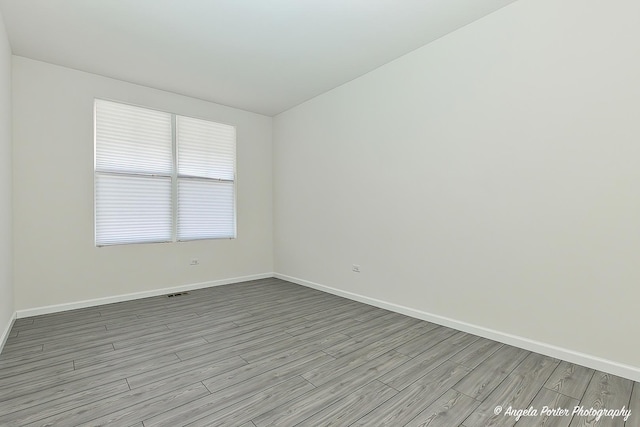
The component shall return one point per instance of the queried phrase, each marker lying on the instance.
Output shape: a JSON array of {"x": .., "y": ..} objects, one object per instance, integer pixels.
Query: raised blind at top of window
[
  {"x": 205, "y": 149},
  {"x": 132, "y": 140}
]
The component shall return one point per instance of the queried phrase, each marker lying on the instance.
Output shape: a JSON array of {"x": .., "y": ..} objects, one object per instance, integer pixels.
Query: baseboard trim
[
  {"x": 5, "y": 334},
  {"x": 136, "y": 295},
  {"x": 600, "y": 364}
]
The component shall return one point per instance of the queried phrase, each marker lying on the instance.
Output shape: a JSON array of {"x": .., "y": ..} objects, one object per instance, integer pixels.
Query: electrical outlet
[
  {"x": 195, "y": 261},
  {"x": 355, "y": 268}
]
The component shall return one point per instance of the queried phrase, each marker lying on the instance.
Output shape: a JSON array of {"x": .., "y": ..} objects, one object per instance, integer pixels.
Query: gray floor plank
[
  {"x": 269, "y": 352},
  {"x": 353, "y": 406},
  {"x": 138, "y": 322},
  {"x": 310, "y": 403},
  {"x": 12, "y": 377},
  {"x": 234, "y": 337},
  {"x": 39, "y": 392},
  {"x": 362, "y": 355},
  {"x": 243, "y": 411},
  {"x": 115, "y": 403},
  {"x": 634, "y": 407},
  {"x": 367, "y": 329},
  {"x": 426, "y": 341},
  {"x": 203, "y": 367},
  {"x": 159, "y": 334},
  {"x": 408, "y": 403},
  {"x": 236, "y": 344},
  {"x": 207, "y": 322},
  {"x": 554, "y": 401},
  {"x": 65, "y": 316},
  {"x": 314, "y": 327},
  {"x": 200, "y": 368},
  {"x": 517, "y": 391},
  {"x": 156, "y": 348},
  {"x": 570, "y": 379},
  {"x": 114, "y": 371},
  {"x": 273, "y": 361},
  {"x": 60, "y": 340},
  {"x": 98, "y": 338},
  {"x": 415, "y": 368},
  {"x": 63, "y": 354},
  {"x": 393, "y": 324},
  {"x": 252, "y": 370},
  {"x": 352, "y": 310},
  {"x": 59, "y": 332},
  {"x": 67, "y": 403},
  {"x": 253, "y": 355},
  {"x": 476, "y": 353},
  {"x": 24, "y": 321},
  {"x": 393, "y": 337},
  {"x": 605, "y": 391},
  {"x": 336, "y": 327},
  {"x": 448, "y": 410},
  {"x": 76, "y": 318},
  {"x": 296, "y": 308},
  {"x": 21, "y": 352},
  {"x": 203, "y": 321},
  {"x": 22, "y": 365},
  {"x": 377, "y": 312},
  {"x": 142, "y": 410},
  {"x": 260, "y": 381},
  {"x": 490, "y": 373},
  {"x": 223, "y": 395}
]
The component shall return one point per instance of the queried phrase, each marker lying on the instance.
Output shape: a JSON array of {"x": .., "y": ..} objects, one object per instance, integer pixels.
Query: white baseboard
[
  {"x": 600, "y": 364},
  {"x": 137, "y": 295},
  {"x": 5, "y": 333}
]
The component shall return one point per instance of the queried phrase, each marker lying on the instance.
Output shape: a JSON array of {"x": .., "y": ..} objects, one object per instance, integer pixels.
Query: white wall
[
  {"x": 491, "y": 177},
  {"x": 55, "y": 258},
  {"x": 6, "y": 246}
]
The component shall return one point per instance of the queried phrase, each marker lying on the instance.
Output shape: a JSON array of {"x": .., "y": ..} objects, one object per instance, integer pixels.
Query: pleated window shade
[
  {"x": 206, "y": 172},
  {"x": 160, "y": 177}
]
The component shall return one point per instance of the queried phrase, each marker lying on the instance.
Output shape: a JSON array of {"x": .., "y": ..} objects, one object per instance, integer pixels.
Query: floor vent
[{"x": 178, "y": 294}]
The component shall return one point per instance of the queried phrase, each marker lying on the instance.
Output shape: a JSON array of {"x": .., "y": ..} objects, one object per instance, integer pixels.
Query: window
[{"x": 161, "y": 177}]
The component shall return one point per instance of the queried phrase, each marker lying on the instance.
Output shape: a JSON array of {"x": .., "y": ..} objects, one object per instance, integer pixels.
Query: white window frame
[{"x": 174, "y": 176}]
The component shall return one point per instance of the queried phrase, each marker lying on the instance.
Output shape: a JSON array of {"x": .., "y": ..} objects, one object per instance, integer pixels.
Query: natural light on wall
[{"x": 161, "y": 177}]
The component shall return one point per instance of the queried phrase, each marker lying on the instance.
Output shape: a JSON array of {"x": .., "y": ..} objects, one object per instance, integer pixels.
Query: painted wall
[
  {"x": 491, "y": 177},
  {"x": 6, "y": 243},
  {"x": 55, "y": 258}
]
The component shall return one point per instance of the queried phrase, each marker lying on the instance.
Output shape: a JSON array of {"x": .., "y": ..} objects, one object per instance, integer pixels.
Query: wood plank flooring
[{"x": 271, "y": 353}]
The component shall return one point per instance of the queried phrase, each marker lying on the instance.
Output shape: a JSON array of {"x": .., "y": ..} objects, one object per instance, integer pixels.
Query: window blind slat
[
  {"x": 205, "y": 209},
  {"x": 132, "y": 139},
  {"x": 205, "y": 149},
  {"x": 132, "y": 209},
  {"x": 137, "y": 179}
]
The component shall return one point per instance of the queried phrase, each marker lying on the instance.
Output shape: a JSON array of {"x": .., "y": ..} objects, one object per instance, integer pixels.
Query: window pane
[
  {"x": 131, "y": 209},
  {"x": 132, "y": 139},
  {"x": 205, "y": 209},
  {"x": 205, "y": 149}
]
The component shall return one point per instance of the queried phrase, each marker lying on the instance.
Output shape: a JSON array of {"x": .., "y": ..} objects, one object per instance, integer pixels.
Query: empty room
[{"x": 319, "y": 213}]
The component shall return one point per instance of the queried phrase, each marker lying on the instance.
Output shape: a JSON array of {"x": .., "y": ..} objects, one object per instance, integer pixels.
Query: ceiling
[{"x": 264, "y": 56}]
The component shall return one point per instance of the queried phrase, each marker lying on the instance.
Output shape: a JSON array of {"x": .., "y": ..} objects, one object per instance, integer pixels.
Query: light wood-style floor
[{"x": 271, "y": 353}]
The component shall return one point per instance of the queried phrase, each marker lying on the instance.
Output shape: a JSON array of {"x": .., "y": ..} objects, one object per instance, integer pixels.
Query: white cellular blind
[
  {"x": 206, "y": 179},
  {"x": 160, "y": 177},
  {"x": 132, "y": 209},
  {"x": 133, "y": 169},
  {"x": 206, "y": 149},
  {"x": 132, "y": 139}
]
